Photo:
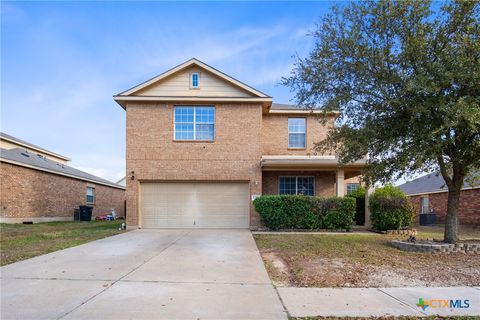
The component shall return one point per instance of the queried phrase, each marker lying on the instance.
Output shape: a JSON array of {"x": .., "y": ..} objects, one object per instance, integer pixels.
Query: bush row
[
  {"x": 390, "y": 209},
  {"x": 305, "y": 212}
]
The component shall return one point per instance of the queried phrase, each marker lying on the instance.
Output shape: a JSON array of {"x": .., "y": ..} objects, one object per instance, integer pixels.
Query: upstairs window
[
  {"x": 297, "y": 185},
  {"x": 194, "y": 123},
  {"x": 296, "y": 133},
  {"x": 90, "y": 195},
  {"x": 195, "y": 80}
]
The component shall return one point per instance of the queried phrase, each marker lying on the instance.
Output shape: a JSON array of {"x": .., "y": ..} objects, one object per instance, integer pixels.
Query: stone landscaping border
[
  {"x": 471, "y": 248},
  {"x": 403, "y": 232}
]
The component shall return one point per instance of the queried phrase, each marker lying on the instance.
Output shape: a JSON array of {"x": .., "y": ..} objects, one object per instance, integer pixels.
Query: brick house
[
  {"x": 37, "y": 185},
  {"x": 202, "y": 145},
  {"x": 430, "y": 193}
]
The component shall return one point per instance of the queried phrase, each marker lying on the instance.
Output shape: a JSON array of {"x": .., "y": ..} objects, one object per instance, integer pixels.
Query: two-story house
[{"x": 202, "y": 145}]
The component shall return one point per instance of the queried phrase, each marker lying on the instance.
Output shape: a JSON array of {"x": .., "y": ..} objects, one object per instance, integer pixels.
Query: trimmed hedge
[
  {"x": 305, "y": 212},
  {"x": 390, "y": 209}
]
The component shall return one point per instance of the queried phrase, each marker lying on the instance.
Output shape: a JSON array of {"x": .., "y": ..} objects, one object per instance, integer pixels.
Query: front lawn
[
  {"x": 356, "y": 260},
  {"x": 23, "y": 241}
]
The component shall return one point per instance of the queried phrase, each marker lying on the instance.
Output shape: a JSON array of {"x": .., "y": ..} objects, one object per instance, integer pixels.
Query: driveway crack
[{"x": 125, "y": 275}]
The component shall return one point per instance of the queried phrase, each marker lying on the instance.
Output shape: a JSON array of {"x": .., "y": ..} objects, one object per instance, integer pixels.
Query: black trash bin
[
  {"x": 76, "y": 214},
  {"x": 428, "y": 219},
  {"x": 86, "y": 213}
]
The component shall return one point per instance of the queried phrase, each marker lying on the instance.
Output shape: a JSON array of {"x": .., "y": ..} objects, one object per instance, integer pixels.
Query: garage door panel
[{"x": 195, "y": 205}]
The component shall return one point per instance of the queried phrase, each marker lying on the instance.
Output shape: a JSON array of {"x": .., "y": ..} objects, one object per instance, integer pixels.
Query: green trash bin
[{"x": 86, "y": 213}]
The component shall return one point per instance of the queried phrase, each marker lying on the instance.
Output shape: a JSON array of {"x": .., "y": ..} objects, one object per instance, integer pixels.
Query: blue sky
[{"x": 61, "y": 62}]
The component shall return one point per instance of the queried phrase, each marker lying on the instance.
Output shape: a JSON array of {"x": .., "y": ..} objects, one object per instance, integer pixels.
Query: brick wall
[
  {"x": 28, "y": 193},
  {"x": 153, "y": 155},
  {"x": 469, "y": 211}
]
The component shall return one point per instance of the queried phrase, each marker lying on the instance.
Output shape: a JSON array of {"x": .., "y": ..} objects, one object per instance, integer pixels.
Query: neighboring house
[
  {"x": 37, "y": 185},
  {"x": 430, "y": 193},
  {"x": 202, "y": 145}
]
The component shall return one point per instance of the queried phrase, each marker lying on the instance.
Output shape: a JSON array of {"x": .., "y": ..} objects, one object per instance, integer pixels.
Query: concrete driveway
[{"x": 145, "y": 274}]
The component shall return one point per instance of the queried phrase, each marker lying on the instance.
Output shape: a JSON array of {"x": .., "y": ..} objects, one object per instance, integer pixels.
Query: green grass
[{"x": 23, "y": 241}]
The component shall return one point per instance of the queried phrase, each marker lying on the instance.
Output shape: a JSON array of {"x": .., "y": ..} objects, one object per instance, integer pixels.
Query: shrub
[
  {"x": 305, "y": 212},
  {"x": 390, "y": 209}
]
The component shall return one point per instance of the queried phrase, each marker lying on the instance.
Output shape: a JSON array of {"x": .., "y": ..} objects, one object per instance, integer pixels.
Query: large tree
[{"x": 405, "y": 76}]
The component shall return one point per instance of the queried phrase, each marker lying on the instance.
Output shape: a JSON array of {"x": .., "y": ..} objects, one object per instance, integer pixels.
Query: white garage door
[{"x": 195, "y": 205}]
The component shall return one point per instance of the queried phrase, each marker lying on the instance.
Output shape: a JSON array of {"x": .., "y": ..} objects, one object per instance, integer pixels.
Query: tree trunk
[{"x": 451, "y": 221}]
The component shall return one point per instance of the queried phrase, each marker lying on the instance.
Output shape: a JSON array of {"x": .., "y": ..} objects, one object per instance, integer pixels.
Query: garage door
[{"x": 195, "y": 205}]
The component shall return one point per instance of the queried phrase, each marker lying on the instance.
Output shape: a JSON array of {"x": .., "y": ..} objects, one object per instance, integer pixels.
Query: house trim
[{"x": 122, "y": 99}]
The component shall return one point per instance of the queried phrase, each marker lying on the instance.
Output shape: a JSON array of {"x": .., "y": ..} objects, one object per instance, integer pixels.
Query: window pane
[
  {"x": 90, "y": 194},
  {"x": 194, "y": 80},
  {"x": 305, "y": 186},
  {"x": 194, "y": 123},
  {"x": 296, "y": 140},
  {"x": 205, "y": 115},
  {"x": 204, "y": 132},
  {"x": 287, "y": 185},
  {"x": 351, "y": 187},
  {"x": 296, "y": 125},
  {"x": 183, "y": 114},
  {"x": 89, "y": 191},
  {"x": 184, "y": 135}
]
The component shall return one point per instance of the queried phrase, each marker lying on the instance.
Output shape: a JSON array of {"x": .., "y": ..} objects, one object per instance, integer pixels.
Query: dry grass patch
[{"x": 363, "y": 261}]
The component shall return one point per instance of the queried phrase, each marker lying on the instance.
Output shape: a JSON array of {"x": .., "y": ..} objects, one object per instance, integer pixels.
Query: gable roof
[
  {"x": 17, "y": 156},
  {"x": 131, "y": 94},
  {"x": 430, "y": 183},
  {"x": 23, "y": 143}
]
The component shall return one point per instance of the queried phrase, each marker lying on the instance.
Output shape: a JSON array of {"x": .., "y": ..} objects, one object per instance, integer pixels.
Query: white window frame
[
  {"x": 87, "y": 195},
  {"x": 195, "y": 122},
  {"x": 423, "y": 206},
  {"x": 351, "y": 184},
  {"x": 304, "y": 133},
  {"x": 198, "y": 80},
  {"x": 296, "y": 183}
]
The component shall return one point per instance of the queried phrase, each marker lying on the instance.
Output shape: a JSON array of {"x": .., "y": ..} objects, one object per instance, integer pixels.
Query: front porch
[{"x": 311, "y": 175}]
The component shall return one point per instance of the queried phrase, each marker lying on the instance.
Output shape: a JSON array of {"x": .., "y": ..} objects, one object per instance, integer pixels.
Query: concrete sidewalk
[{"x": 365, "y": 302}]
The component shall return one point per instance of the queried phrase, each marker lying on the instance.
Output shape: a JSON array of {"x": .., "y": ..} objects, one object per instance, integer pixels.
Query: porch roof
[{"x": 304, "y": 162}]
